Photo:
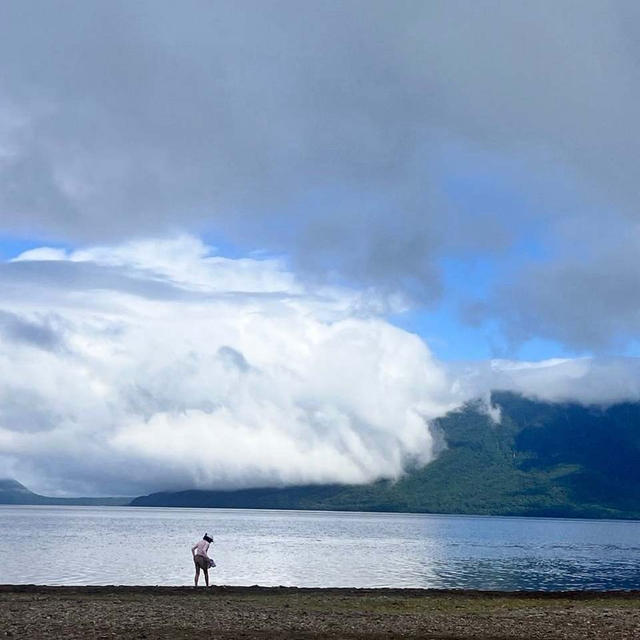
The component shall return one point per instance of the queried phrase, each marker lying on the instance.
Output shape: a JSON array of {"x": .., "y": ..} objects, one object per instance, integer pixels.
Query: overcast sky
[{"x": 267, "y": 241}]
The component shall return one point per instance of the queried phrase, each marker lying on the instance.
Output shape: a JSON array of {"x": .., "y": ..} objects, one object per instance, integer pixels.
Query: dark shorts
[{"x": 201, "y": 562}]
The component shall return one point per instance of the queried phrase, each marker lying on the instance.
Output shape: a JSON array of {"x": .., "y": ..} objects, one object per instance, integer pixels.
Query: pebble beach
[{"x": 118, "y": 612}]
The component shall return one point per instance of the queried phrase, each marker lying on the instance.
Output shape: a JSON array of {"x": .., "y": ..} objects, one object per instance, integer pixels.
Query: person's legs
[
  {"x": 197, "y": 574},
  {"x": 206, "y": 576}
]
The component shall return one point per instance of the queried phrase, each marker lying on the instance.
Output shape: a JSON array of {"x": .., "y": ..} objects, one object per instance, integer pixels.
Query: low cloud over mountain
[
  {"x": 155, "y": 364},
  {"x": 158, "y": 365}
]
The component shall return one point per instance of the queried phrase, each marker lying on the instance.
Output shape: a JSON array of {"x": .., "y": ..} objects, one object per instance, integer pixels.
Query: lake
[{"x": 151, "y": 546}]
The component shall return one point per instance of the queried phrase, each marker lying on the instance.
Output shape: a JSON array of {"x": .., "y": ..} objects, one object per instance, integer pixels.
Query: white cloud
[
  {"x": 158, "y": 365},
  {"x": 179, "y": 368},
  {"x": 42, "y": 253},
  {"x": 582, "y": 380}
]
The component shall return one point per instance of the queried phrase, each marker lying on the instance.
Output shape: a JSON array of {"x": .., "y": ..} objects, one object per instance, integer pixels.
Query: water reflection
[{"x": 111, "y": 545}]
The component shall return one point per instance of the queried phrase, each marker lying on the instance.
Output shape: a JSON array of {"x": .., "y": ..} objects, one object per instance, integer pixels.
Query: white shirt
[{"x": 201, "y": 547}]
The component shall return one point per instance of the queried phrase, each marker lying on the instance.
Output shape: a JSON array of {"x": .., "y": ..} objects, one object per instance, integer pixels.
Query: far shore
[
  {"x": 435, "y": 514},
  {"x": 226, "y": 612}
]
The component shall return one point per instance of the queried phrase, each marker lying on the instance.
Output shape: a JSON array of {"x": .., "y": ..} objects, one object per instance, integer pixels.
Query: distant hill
[
  {"x": 12, "y": 492},
  {"x": 542, "y": 459}
]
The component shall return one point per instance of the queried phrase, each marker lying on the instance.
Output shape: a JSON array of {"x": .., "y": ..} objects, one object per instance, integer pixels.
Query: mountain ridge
[
  {"x": 13, "y": 492},
  {"x": 541, "y": 459}
]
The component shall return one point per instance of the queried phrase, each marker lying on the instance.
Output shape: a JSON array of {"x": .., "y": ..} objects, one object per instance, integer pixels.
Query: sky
[{"x": 268, "y": 242}]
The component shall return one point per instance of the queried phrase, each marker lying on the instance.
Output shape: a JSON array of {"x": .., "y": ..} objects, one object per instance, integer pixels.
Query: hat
[{"x": 207, "y": 537}]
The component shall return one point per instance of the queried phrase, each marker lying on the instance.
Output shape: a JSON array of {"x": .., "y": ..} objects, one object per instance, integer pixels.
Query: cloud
[
  {"x": 38, "y": 333},
  {"x": 367, "y": 144},
  {"x": 177, "y": 368},
  {"x": 588, "y": 304},
  {"x": 588, "y": 381},
  {"x": 366, "y": 141},
  {"x": 205, "y": 372}
]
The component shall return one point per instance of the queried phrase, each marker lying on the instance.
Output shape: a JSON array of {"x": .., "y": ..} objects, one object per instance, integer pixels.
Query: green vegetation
[{"x": 542, "y": 459}]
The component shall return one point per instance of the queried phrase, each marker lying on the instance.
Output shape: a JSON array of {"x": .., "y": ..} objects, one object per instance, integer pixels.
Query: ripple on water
[{"x": 120, "y": 545}]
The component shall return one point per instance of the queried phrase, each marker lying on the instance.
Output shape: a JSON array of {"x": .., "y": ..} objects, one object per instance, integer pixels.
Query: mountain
[
  {"x": 12, "y": 492},
  {"x": 541, "y": 459}
]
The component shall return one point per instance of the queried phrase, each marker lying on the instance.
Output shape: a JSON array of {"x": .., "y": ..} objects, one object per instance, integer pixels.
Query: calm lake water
[{"x": 127, "y": 545}]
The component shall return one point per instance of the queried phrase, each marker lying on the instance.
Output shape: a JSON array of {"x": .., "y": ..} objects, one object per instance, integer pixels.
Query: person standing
[{"x": 201, "y": 558}]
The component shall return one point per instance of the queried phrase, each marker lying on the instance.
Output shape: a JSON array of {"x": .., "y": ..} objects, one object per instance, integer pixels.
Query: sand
[{"x": 253, "y": 612}]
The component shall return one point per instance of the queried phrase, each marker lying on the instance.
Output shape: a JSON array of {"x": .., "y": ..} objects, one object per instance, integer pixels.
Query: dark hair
[{"x": 207, "y": 538}]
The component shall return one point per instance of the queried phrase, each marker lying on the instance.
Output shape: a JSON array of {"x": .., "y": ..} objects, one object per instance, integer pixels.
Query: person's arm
[{"x": 193, "y": 549}]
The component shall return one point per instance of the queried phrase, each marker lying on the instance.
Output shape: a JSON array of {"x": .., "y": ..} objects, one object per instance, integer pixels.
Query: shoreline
[
  {"x": 337, "y": 591},
  {"x": 305, "y": 613},
  {"x": 435, "y": 514}
]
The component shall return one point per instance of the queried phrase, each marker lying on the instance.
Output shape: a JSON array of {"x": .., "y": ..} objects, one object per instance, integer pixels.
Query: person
[{"x": 201, "y": 559}]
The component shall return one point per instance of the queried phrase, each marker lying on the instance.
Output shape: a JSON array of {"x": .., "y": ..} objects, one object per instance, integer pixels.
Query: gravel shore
[{"x": 257, "y": 613}]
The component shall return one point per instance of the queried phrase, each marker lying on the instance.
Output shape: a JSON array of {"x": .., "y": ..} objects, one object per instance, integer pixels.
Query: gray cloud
[
  {"x": 233, "y": 358},
  {"x": 84, "y": 276},
  {"x": 41, "y": 333},
  {"x": 585, "y": 294},
  {"x": 328, "y": 131},
  {"x": 589, "y": 306}
]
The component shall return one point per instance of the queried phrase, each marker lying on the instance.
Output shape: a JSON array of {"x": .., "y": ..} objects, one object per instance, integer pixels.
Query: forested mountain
[{"x": 543, "y": 459}]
